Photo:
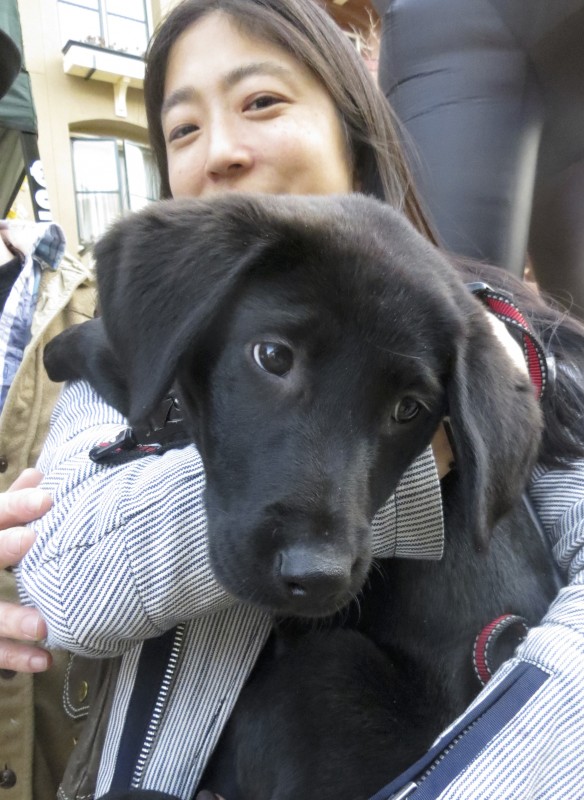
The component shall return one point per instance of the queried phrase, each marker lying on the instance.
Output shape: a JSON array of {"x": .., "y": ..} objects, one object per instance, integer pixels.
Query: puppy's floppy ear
[
  {"x": 164, "y": 275},
  {"x": 83, "y": 351},
  {"x": 496, "y": 426}
]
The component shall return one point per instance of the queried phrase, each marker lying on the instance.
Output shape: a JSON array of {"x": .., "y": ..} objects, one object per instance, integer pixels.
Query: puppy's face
[
  {"x": 316, "y": 351},
  {"x": 306, "y": 415}
]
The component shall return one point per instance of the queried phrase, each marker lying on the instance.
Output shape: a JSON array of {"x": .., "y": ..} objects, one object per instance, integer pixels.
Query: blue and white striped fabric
[
  {"x": 47, "y": 246},
  {"x": 122, "y": 557}
]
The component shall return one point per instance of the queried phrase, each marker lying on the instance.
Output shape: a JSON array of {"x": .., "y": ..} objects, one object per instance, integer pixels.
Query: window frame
[
  {"x": 103, "y": 14},
  {"x": 124, "y": 190}
]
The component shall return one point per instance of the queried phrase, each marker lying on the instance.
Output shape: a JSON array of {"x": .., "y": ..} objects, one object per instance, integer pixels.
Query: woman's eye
[
  {"x": 273, "y": 357},
  {"x": 406, "y": 409},
  {"x": 264, "y": 101},
  {"x": 182, "y": 131}
]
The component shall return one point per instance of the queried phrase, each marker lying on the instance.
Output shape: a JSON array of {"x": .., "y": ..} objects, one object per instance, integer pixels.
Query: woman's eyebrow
[
  {"x": 186, "y": 94},
  {"x": 255, "y": 68}
]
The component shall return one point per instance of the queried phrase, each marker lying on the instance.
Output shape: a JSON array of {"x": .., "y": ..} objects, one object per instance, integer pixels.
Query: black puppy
[{"x": 316, "y": 344}]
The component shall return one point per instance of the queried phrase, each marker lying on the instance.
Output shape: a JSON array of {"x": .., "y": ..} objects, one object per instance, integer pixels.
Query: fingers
[
  {"x": 14, "y": 543},
  {"x": 23, "y": 502},
  {"x": 19, "y": 657},
  {"x": 20, "y": 627},
  {"x": 28, "y": 479},
  {"x": 21, "y": 622},
  {"x": 22, "y": 505}
]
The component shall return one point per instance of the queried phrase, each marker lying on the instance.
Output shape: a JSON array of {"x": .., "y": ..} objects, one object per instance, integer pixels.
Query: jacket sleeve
[
  {"x": 537, "y": 753},
  {"x": 558, "y": 497},
  {"x": 122, "y": 554}
]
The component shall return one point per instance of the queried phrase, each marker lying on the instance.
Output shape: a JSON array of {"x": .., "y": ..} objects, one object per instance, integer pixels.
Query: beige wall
[{"x": 65, "y": 104}]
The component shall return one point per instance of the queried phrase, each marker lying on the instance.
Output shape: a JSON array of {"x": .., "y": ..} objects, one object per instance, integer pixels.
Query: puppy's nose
[{"x": 312, "y": 575}]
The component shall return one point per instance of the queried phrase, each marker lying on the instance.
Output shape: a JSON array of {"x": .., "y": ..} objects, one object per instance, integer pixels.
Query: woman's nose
[{"x": 228, "y": 156}]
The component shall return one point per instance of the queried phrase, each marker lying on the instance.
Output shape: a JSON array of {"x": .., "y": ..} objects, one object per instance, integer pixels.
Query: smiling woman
[
  {"x": 251, "y": 96},
  {"x": 283, "y": 64},
  {"x": 249, "y": 117}
]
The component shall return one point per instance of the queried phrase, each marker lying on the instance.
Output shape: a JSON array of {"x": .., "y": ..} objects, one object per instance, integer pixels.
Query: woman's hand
[{"x": 19, "y": 625}]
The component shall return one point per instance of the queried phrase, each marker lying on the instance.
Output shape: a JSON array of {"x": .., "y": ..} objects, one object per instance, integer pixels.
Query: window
[
  {"x": 111, "y": 176},
  {"x": 118, "y": 24}
]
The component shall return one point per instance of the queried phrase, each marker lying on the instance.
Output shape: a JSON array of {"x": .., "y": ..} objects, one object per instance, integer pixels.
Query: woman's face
[{"x": 240, "y": 114}]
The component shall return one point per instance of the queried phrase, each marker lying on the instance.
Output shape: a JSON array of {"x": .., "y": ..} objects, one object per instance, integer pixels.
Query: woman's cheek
[{"x": 184, "y": 178}]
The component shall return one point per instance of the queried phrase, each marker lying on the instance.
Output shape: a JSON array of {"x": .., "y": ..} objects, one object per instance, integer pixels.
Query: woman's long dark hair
[{"x": 307, "y": 32}]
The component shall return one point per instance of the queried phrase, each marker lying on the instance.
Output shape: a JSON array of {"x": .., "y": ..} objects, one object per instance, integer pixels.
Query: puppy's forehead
[
  {"x": 366, "y": 262},
  {"x": 353, "y": 254},
  {"x": 355, "y": 290}
]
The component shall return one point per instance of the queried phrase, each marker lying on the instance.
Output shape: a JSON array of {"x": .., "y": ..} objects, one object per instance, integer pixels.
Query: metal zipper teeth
[
  {"x": 447, "y": 750},
  {"x": 159, "y": 707}
]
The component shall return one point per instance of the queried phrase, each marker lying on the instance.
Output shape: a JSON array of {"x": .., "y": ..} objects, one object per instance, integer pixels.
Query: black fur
[{"x": 297, "y": 465}]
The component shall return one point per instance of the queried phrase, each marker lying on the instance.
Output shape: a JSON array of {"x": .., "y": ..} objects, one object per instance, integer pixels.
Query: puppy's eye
[
  {"x": 273, "y": 357},
  {"x": 406, "y": 409}
]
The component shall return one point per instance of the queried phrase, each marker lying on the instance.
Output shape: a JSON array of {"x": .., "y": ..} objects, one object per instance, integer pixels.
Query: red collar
[
  {"x": 502, "y": 306},
  {"x": 483, "y": 654}
]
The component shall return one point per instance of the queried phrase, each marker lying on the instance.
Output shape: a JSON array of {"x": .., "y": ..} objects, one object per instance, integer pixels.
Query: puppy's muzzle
[
  {"x": 292, "y": 564},
  {"x": 312, "y": 576}
]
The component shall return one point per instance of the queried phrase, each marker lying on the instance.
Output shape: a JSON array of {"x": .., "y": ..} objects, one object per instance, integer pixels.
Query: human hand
[
  {"x": 8, "y": 249},
  {"x": 16, "y": 238},
  {"x": 23, "y": 502}
]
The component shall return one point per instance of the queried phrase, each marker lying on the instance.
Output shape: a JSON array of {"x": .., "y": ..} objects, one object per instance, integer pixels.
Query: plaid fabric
[{"x": 46, "y": 246}]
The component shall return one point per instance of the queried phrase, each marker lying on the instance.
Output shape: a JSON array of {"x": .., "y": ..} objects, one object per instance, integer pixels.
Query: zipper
[
  {"x": 451, "y": 745},
  {"x": 159, "y": 707},
  {"x": 405, "y": 792},
  {"x": 412, "y": 786}
]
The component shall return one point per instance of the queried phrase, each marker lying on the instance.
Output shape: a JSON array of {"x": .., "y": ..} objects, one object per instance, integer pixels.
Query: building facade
[{"x": 86, "y": 68}]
